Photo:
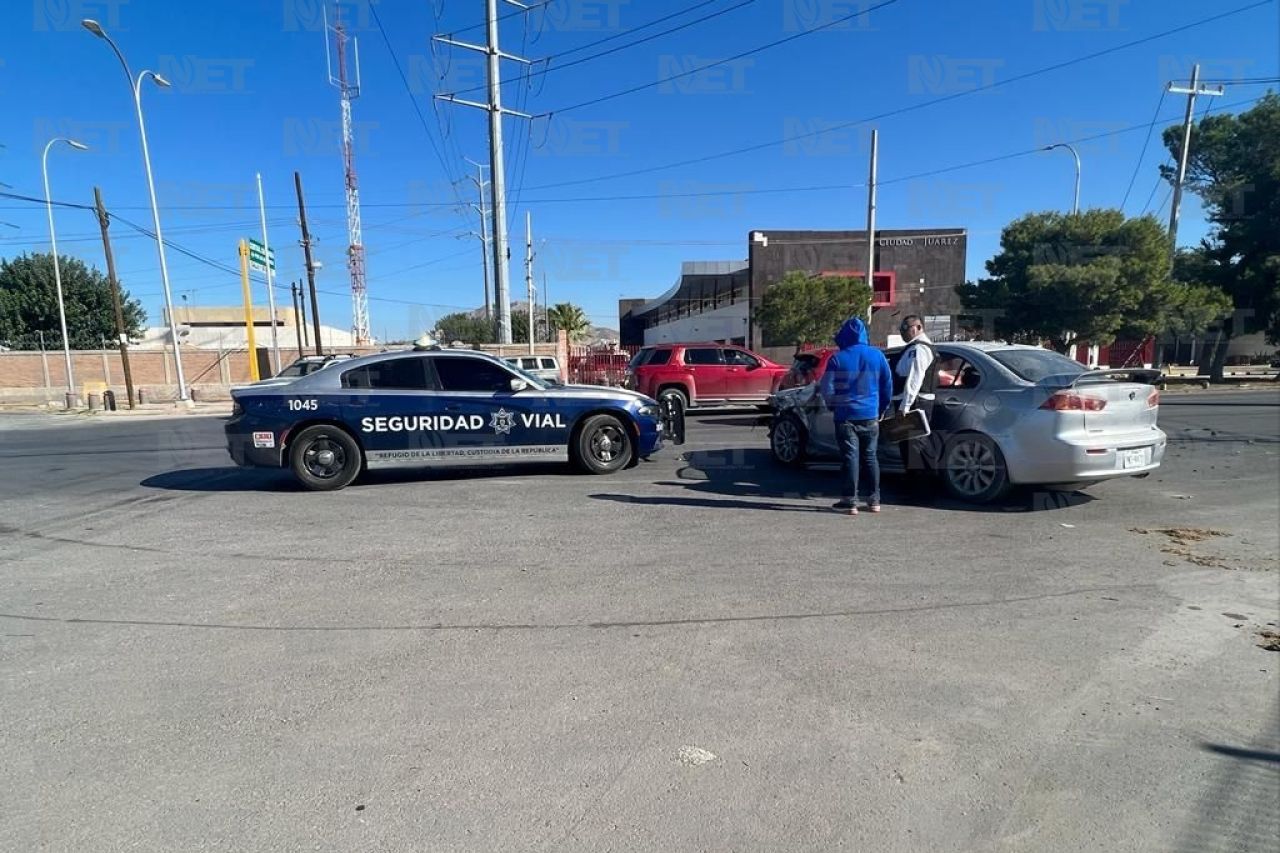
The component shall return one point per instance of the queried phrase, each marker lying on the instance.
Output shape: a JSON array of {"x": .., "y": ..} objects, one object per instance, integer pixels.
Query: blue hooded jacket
[{"x": 857, "y": 384}]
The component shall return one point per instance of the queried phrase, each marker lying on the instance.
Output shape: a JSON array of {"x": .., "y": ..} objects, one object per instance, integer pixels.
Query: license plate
[{"x": 1138, "y": 457}]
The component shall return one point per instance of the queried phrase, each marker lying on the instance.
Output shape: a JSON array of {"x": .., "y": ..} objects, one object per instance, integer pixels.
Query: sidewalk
[{"x": 170, "y": 409}]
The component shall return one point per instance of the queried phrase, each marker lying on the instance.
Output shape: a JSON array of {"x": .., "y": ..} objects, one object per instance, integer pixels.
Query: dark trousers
[{"x": 859, "y": 442}]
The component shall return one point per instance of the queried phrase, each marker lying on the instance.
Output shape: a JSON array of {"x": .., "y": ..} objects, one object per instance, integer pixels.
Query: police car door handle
[
  {"x": 453, "y": 407},
  {"x": 953, "y": 402}
]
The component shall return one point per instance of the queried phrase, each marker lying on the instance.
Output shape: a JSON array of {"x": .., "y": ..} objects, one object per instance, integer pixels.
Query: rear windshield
[
  {"x": 650, "y": 356},
  {"x": 1037, "y": 365}
]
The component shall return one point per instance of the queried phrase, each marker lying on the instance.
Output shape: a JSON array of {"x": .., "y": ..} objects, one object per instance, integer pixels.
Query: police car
[{"x": 439, "y": 407}]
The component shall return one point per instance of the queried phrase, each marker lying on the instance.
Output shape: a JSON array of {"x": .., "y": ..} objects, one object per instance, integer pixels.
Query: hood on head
[{"x": 853, "y": 332}]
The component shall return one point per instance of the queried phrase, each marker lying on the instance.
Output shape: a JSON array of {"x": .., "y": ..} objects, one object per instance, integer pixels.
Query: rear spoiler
[{"x": 1144, "y": 375}]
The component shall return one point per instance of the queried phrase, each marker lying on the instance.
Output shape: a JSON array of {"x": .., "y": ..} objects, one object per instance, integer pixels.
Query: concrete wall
[{"x": 936, "y": 255}]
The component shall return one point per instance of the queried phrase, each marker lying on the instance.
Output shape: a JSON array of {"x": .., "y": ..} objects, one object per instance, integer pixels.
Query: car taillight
[
  {"x": 1067, "y": 401},
  {"x": 1153, "y": 399}
]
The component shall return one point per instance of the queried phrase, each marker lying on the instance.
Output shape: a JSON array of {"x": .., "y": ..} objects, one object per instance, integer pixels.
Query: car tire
[
  {"x": 677, "y": 393},
  {"x": 787, "y": 441},
  {"x": 325, "y": 458},
  {"x": 603, "y": 445},
  {"x": 973, "y": 468}
]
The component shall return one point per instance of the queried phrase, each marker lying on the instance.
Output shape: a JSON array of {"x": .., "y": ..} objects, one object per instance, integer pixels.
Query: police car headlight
[{"x": 651, "y": 411}]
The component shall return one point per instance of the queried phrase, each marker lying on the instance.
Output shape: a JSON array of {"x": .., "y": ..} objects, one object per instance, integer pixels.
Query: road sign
[{"x": 258, "y": 256}]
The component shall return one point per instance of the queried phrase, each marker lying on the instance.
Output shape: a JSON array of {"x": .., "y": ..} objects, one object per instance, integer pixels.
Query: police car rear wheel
[
  {"x": 324, "y": 458},
  {"x": 603, "y": 445}
]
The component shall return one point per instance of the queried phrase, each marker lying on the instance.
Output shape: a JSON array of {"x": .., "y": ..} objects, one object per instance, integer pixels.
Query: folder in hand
[{"x": 898, "y": 427}]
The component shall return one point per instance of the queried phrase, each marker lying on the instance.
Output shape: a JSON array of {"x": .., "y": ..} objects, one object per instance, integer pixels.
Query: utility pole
[
  {"x": 530, "y": 292},
  {"x": 481, "y": 183},
  {"x": 306, "y": 253},
  {"x": 497, "y": 169},
  {"x": 1184, "y": 154},
  {"x": 121, "y": 334},
  {"x": 871, "y": 221},
  {"x": 266, "y": 264},
  {"x": 298, "y": 322},
  {"x": 250, "y": 342}
]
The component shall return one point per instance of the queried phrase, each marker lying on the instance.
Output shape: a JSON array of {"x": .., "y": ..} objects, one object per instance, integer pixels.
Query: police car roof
[{"x": 332, "y": 377}]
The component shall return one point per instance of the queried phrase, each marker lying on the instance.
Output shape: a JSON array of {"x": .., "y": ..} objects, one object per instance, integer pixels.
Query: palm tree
[{"x": 571, "y": 318}]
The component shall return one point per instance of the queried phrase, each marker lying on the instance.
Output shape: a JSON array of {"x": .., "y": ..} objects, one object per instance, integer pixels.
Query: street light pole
[
  {"x": 57, "y": 271},
  {"x": 1076, "y": 206},
  {"x": 135, "y": 87}
]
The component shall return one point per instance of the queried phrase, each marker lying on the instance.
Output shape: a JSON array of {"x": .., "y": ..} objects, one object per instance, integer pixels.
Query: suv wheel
[{"x": 676, "y": 393}]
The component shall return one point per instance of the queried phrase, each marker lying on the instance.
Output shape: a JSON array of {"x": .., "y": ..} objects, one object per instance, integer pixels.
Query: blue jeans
[{"x": 859, "y": 443}]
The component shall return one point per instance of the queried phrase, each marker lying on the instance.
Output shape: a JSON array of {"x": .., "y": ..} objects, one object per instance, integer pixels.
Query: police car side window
[
  {"x": 400, "y": 374},
  {"x": 460, "y": 373}
]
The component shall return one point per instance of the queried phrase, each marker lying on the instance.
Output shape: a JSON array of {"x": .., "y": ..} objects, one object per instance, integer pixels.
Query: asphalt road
[{"x": 692, "y": 655}]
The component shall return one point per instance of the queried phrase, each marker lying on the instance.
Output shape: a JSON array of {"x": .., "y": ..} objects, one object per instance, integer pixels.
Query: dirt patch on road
[
  {"x": 1270, "y": 640},
  {"x": 1182, "y": 538}
]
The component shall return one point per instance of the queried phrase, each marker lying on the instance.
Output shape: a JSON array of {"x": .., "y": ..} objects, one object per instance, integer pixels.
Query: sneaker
[
  {"x": 873, "y": 507},
  {"x": 846, "y": 506}
]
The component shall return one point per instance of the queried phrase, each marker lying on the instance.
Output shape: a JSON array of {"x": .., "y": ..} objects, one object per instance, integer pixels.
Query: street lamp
[
  {"x": 57, "y": 271},
  {"x": 135, "y": 86},
  {"x": 1076, "y": 207}
]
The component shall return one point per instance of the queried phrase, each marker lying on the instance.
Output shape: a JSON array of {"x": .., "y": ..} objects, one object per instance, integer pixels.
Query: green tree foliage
[
  {"x": 29, "y": 304},
  {"x": 1234, "y": 167},
  {"x": 808, "y": 309},
  {"x": 571, "y": 318},
  {"x": 467, "y": 327},
  {"x": 1085, "y": 278}
]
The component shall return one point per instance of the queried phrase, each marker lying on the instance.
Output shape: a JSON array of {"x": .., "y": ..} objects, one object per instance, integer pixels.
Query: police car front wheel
[
  {"x": 324, "y": 458},
  {"x": 603, "y": 445}
]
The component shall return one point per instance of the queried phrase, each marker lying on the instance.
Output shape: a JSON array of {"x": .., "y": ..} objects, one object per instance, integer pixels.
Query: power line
[
  {"x": 902, "y": 110},
  {"x": 1137, "y": 166},
  {"x": 611, "y": 51},
  {"x": 735, "y": 58}
]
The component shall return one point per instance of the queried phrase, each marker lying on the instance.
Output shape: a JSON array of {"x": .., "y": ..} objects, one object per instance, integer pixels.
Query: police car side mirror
[{"x": 518, "y": 384}]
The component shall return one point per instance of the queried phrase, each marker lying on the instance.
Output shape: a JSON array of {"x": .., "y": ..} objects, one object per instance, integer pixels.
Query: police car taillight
[{"x": 236, "y": 408}]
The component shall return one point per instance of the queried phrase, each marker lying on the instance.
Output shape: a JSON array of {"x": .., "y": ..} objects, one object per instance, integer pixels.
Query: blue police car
[{"x": 439, "y": 407}]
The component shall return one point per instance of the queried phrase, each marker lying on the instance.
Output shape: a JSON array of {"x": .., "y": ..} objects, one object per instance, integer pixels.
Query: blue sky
[{"x": 250, "y": 96}]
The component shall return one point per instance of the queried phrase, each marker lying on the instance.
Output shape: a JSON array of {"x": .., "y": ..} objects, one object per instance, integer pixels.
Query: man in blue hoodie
[{"x": 857, "y": 386}]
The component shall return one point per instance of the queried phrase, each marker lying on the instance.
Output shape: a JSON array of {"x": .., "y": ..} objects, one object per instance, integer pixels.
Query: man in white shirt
[
  {"x": 913, "y": 367},
  {"x": 913, "y": 370}
]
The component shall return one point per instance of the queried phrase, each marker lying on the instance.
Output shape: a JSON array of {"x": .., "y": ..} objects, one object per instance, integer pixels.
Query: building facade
[{"x": 916, "y": 272}]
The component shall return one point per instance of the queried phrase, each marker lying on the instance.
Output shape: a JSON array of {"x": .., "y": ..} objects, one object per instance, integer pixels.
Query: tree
[
  {"x": 1085, "y": 278},
  {"x": 29, "y": 304},
  {"x": 1234, "y": 166},
  {"x": 808, "y": 309},
  {"x": 571, "y": 318},
  {"x": 466, "y": 327}
]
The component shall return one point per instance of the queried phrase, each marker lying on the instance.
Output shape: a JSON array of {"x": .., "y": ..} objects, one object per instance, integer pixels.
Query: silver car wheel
[
  {"x": 786, "y": 441},
  {"x": 972, "y": 466}
]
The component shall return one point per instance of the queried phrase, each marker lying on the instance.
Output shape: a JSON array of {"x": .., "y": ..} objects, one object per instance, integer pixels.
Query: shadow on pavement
[
  {"x": 747, "y": 475},
  {"x": 234, "y": 479}
]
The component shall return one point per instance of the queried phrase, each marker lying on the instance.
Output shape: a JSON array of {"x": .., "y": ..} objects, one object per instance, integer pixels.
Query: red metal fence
[{"x": 599, "y": 365}]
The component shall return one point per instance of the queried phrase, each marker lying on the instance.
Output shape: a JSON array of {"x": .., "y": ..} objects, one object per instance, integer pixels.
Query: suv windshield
[{"x": 1038, "y": 365}]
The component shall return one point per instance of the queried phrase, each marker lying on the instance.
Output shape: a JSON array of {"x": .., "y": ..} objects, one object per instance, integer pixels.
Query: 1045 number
[{"x": 303, "y": 405}]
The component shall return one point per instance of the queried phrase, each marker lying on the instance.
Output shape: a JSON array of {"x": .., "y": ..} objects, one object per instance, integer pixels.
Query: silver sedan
[{"x": 1002, "y": 415}]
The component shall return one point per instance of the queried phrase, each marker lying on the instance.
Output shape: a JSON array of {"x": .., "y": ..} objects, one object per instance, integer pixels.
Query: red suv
[{"x": 704, "y": 374}]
